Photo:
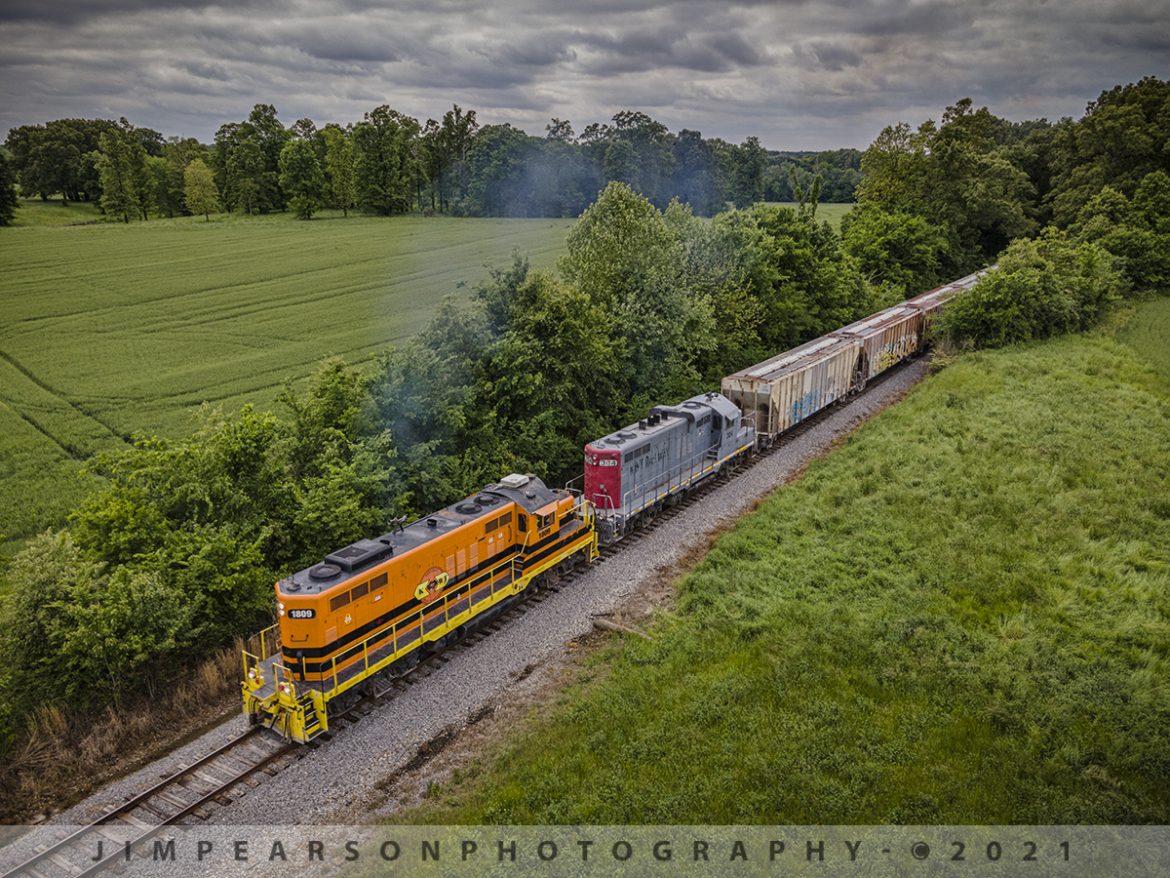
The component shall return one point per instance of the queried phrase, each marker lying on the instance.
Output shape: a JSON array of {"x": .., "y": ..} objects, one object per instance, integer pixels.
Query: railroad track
[
  {"x": 211, "y": 781},
  {"x": 227, "y": 773}
]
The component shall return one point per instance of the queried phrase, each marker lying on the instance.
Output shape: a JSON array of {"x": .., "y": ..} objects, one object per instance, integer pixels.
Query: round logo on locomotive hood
[{"x": 432, "y": 585}]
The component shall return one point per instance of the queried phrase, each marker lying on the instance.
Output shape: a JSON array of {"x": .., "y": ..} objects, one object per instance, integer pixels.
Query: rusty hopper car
[
  {"x": 372, "y": 606},
  {"x": 930, "y": 303},
  {"x": 781, "y": 392},
  {"x": 887, "y": 338},
  {"x": 632, "y": 473}
]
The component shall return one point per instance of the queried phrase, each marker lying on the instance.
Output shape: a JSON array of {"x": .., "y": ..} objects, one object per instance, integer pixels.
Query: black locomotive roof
[{"x": 353, "y": 560}]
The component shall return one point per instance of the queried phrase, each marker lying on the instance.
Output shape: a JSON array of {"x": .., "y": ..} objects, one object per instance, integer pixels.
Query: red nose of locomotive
[{"x": 603, "y": 477}]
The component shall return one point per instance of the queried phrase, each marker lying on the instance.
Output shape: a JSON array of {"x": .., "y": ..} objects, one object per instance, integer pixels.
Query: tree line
[
  {"x": 1080, "y": 209},
  {"x": 390, "y": 163},
  {"x": 175, "y": 553}
]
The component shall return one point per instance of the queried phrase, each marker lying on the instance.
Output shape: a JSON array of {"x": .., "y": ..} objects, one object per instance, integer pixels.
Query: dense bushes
[
  {"x": 175, "y": 554},
  {"x": 1048, "y": 286}
]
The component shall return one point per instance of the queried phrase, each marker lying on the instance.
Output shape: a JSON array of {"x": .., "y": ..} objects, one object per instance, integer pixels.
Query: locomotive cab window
[{"x": 523, "y": 519}]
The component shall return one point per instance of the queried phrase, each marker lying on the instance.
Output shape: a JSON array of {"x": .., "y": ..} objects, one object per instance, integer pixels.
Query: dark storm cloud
[
  {"x": 929, "y": 18},
  {"x": 69, "y": 13},
  {"x": 654, "y": 48},
  {"x": 798, "y": 73}
]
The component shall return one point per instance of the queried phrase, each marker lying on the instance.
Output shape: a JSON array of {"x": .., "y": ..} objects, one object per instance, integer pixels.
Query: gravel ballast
[{"x": 340, "y": 778}]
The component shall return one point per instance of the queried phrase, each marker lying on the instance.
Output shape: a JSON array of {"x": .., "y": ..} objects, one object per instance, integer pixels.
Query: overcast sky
[{"x": 800, "y": 75}]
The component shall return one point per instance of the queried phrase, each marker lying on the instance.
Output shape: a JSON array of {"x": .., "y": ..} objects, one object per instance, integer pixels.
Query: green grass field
[
  {"x": 960, "y": 616},
  {"x": 54, "y": 212},
  {"x": 830, "y": 213},
  {"x": 110, "y": 329}
]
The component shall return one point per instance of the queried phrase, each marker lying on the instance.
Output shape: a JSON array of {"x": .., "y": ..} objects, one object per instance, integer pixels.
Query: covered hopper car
[{"x": 780, "y": 392}]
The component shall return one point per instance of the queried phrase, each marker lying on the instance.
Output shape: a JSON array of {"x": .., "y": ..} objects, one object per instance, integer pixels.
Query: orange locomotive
[{"x": 369, "y": 609}]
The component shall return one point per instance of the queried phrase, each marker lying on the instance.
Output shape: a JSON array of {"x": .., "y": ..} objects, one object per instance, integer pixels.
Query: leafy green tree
[
  {"x": 247, "y": 161},
  {"x": 245, "y": 177},
  {"x": 125, "y": 178},
  {"x": 1136, "y": 232},
  {"x": 559, "y": 130},
  {"x": 181, "y": 151},
  {"x": 125, "y": 633},
  {"x": 1043, "y": 287},
  {"x": 428, "y": 394},
  {"x": 8, "y": 199},
  {"x": 695, "y": 179},
  {"x": 623, "y": 256},
  {"x": 633, "y": 149},
  {"x": 1119, "y": 141},
  {"x": 46, "y": 580},
  {"x": 747, "y": 175},
  {"x": 554, "y": 373},
  {"x": 199, "y": 191},
  {"x": 301, "y": 178},
  {"x": 898, "y": 250},
  {"x": 166, "y": 185},
  {"x": 51, "y": 158},
  {"x": 619, "y": 244},
  {"x": 446, "y": 146},
  {"x": 710, "y": 271},
  {"x": 389, "y": 169},
  {"x": 795, "y": 269},
  {"x": 270, "y": 138},
  {"x": 499, "y": 183},
  {"x": 340, "y": 167},
  {"x": 958, "y": 176}
]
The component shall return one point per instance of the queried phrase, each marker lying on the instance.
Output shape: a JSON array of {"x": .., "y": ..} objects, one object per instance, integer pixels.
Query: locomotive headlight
[
  {"x": 281, "y": 611},
  {"x": 280, "y": 605}
]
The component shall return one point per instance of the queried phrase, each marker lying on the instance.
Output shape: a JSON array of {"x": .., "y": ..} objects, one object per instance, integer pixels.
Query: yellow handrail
[{"x": 492, "y": 572}]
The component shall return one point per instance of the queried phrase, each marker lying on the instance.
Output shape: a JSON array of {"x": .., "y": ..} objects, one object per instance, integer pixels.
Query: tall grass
[
  {"x": 65, "y": 755},
  {"x": 961, "y": 616}
]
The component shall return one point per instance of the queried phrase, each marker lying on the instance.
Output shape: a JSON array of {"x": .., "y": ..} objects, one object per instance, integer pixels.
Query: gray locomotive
[{"x": 631, "y": 474}]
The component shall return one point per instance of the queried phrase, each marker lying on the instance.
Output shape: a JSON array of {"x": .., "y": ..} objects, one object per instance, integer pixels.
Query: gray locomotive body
[{"x": 635, "y": 471}]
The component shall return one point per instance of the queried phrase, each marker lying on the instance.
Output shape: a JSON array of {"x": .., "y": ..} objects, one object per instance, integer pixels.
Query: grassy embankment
[
  {"x": 108, "y": 329},
  {"x": 962, "y": 615}
]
